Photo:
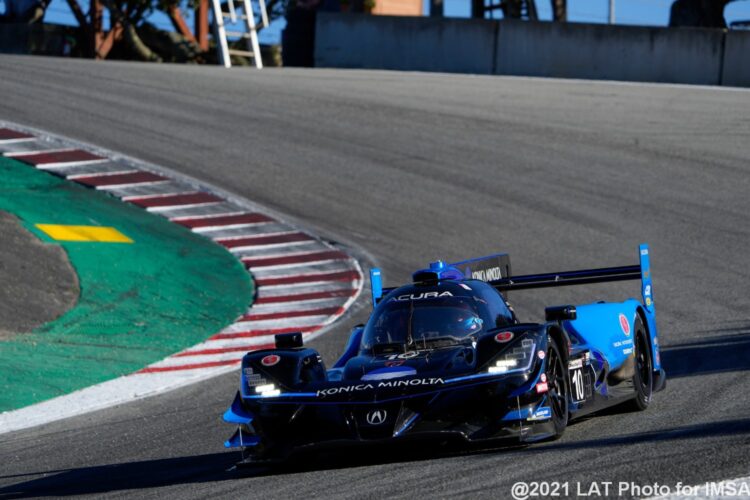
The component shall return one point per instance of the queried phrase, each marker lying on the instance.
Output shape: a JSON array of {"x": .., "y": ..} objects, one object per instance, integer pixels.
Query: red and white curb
[{"x": 302, "y": 283}]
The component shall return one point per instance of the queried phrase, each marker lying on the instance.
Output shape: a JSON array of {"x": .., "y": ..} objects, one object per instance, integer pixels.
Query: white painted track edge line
[
  {"x": 5, "y": 142},
  {"x": 164, "y": 195},
  {"x": 100, "y": 396},
  {"x": 108, "y": 187},
  {"x": 75, "y": 177},
  {"x": 169, "y": 207},
  {"x": 189, "y": 217},
  {"x": 207, "y": 229},
  {"x": 18, "y": 154}
]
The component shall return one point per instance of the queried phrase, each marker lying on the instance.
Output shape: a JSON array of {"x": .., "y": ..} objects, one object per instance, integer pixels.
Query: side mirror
[
  {"x": 560, "y": 313},
  {"x": 288, "y": 340}
]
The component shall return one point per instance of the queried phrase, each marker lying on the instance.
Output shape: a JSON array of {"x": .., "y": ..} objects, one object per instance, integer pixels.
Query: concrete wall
[
  {"x": 404, "y": 43},
  {"x": 737, "y": 59},
  {"x": 564, "y": 50},
  {"x": 595, "y": 51}
]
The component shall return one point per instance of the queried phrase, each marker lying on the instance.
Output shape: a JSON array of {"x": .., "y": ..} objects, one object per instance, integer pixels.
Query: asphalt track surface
[{"x": 411, "y": 167}]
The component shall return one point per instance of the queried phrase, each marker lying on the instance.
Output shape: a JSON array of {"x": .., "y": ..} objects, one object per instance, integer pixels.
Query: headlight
[
  {"x": 518, "y": 359},
  {"x": 267, "y": 390}
]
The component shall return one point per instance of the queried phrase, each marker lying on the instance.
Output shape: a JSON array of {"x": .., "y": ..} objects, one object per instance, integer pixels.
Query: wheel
[
  {"x": 643, "y": 376},
  {"x": 558, "y": 388}
]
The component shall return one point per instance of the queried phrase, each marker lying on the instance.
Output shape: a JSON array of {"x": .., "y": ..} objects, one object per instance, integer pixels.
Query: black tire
[
  {"x": 643, "y": 376},
  {"x": 558, "y": 388}
]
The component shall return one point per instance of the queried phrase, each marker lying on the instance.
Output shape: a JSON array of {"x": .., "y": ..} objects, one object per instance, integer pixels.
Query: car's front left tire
[{"x": 558, "y": 388}]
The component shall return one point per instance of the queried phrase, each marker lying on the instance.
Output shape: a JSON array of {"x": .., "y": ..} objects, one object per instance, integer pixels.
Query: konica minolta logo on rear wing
[{"x": 489, "y": 268}]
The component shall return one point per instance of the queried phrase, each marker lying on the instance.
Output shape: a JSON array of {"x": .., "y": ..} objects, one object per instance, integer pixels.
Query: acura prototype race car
[{"x": 445, "y": 356}]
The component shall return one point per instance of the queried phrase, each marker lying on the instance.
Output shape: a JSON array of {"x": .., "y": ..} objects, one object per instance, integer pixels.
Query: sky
[{"x": 631, "y": 12}]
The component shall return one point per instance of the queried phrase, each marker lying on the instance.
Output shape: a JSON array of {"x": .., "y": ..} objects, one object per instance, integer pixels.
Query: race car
[{"x": 446, "y": 357}]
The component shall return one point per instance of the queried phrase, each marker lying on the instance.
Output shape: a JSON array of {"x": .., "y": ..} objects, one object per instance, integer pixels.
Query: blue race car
[{"x": 446, "y": 357}]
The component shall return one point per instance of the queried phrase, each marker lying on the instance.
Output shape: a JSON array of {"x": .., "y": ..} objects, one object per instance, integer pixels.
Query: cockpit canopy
[{"x": 427, "y": 316}]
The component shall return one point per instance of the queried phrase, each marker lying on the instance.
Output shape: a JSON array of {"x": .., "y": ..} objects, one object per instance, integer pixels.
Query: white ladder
[{"x": 251, "y": 33}]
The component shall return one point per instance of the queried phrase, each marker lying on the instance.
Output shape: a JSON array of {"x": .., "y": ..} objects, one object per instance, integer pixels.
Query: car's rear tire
[
  {"x": 643, "y": 376},
  {"x": 558, "y": 388}
]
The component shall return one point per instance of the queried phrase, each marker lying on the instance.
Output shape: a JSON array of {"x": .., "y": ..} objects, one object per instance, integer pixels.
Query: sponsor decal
[
  {"x": 644, "y": 251},
  {"x": 627, "y": 351},
  {"x": 541, "y": 354},
  {"x": 465, "y": 286},
  {"x": 391, "y": 364},
  {"x": 389, "y": 373},
  {"x": 503, "y": 337},
  {"x": 647, "y": 294},
  {"x": 541, "y": 387},
  {"x": 625, "y": 325},
  {"x": 542, "y": 413},
  {"x": 491, "y": 274},
  {"x": 488, "y": 268},
  {"x": 376, "y": 417},
  {"x": 575, "y": 363},
  {"x": 543, "y": 378},
  {"x": 406, "y": 355},
  {"x": 423, "y": 295},
  {"x": 332, "y": 391},
  {"x": 412, "y": 382},
  {"x": 270, "y": 360},
  {"x": 253, "y": 378},
  {"x": 386, "y": 384}
]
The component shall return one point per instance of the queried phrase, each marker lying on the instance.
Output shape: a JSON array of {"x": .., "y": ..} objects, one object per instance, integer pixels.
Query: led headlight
[
  {"x": 267, "y": 390},
  {"x": 517, "y": 359}
]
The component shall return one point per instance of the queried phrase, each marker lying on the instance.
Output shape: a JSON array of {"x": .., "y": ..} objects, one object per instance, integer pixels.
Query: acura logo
[{"x": 376, "y": 417}]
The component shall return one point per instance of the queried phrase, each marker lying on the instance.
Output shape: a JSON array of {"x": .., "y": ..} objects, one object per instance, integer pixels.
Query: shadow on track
[
  {"x": 725, "y": 353},
  {"x": 125, "y": 476},
  {"x": 219, "y": 466},
  {"x": 196, "y": 469},
  {"x": 737, "y": 427}
]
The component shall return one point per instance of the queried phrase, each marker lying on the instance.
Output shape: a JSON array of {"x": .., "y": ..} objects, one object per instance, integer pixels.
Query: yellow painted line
[{"x": 83, "y": 233}]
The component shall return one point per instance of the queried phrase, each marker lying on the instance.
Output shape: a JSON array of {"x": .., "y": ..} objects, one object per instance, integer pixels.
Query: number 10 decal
[
  {"x": 580, "y": 379},
  {"x": 579, "y": 389}
]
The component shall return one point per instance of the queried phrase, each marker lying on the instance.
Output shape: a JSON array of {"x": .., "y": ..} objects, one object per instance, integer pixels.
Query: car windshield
[{"x": 414, "y": 321}]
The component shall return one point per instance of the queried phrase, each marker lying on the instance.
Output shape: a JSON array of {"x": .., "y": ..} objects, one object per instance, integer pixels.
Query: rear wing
[
  {"x": 471, "y": 270},
  {"x": 566, "y": 278},
  {"x": 641, "y": 271}
]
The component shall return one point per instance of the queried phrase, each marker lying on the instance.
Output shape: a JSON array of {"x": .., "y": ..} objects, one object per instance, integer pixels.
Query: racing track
[{"x": 411, "y": 167}]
